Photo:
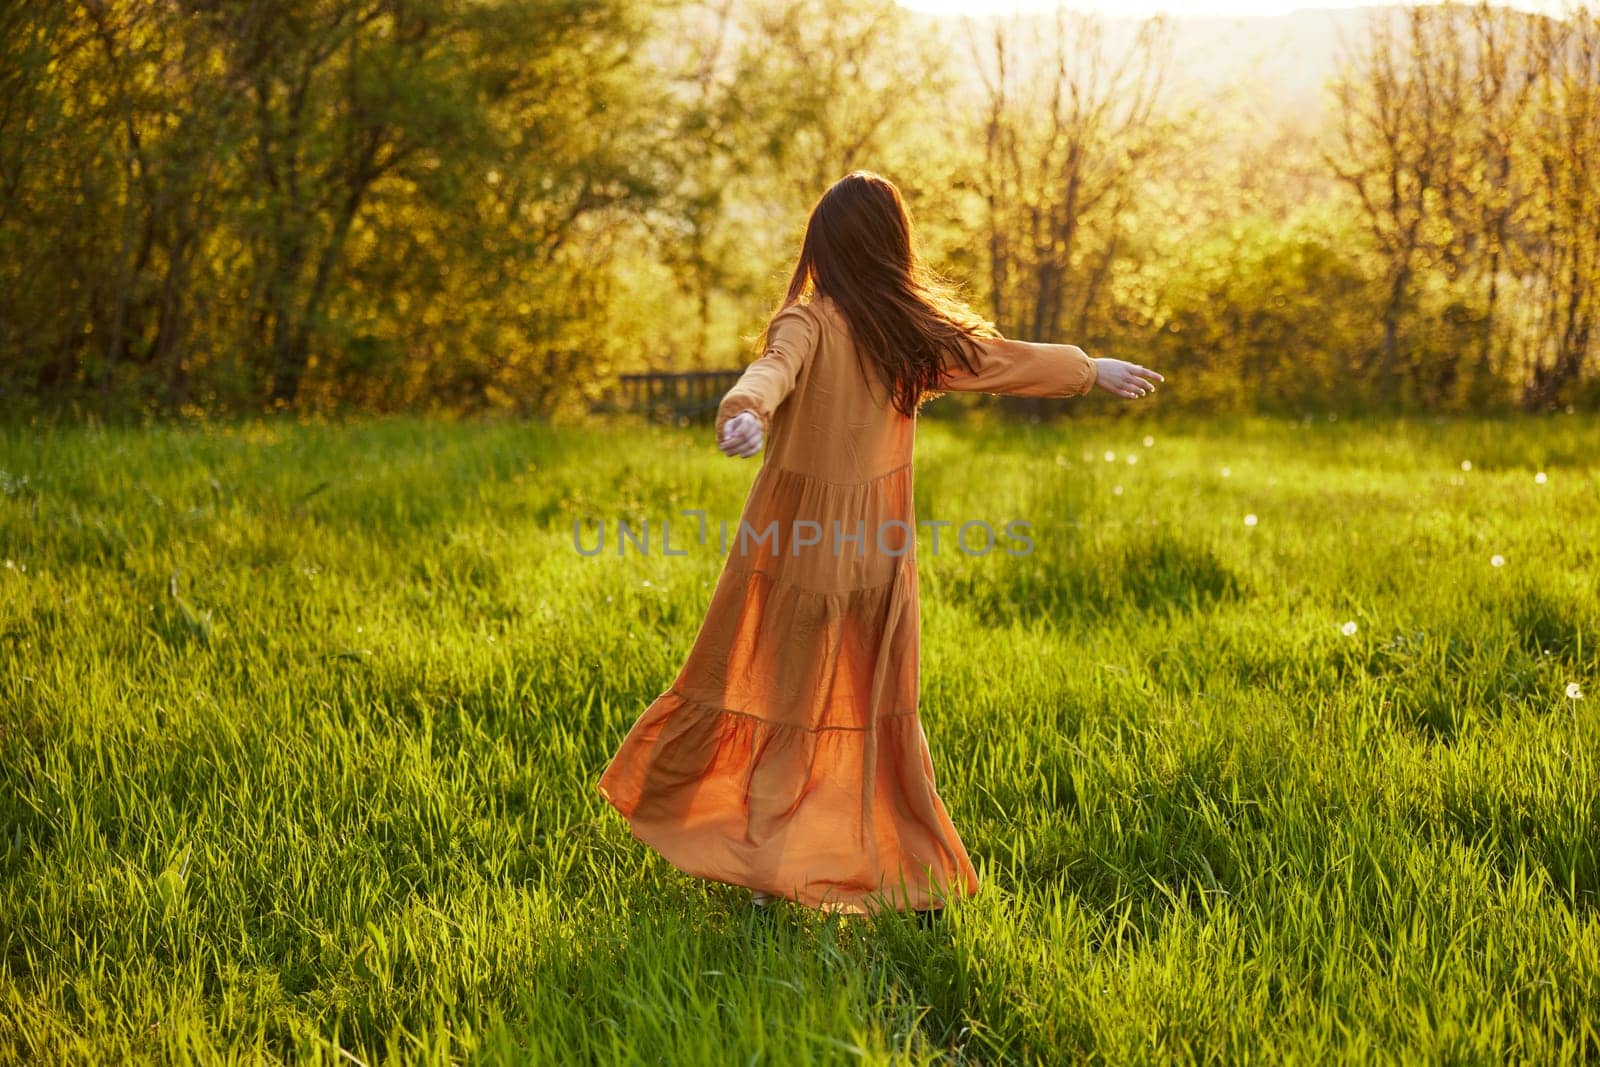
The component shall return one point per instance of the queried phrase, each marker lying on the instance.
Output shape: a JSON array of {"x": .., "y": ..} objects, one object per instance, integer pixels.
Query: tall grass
[{"x": 299, "y": 726}]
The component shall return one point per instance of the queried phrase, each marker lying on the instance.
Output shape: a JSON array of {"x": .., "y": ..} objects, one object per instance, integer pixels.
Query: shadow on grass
[{"x": 1156, "y": 574}]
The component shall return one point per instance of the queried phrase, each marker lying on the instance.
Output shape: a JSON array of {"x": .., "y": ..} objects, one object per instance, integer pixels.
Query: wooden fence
[{"x": 691, "y": 396}]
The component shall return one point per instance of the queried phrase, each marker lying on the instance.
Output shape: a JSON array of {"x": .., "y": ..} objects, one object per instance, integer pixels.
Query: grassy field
[{"x": 299, "y": 729}]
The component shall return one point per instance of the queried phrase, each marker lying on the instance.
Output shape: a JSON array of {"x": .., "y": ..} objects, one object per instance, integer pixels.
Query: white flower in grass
[
  {"x": 1250, "y": 519},
  {"x": 1116, "y": 490},
  {"x": 1466, "y": 464},
  {"x": 1574, "y": 691},
  {"x": 1226, "y": 472},
  {"x": 1132, "y": 458},
  {"x": 1540, "y": 478},
  {"x": 1497, "y": 561},
  {"x": 1148, "y": 440},
  {"x": 1349, "y": 629},
  {"x": 1111, "y": 457}
]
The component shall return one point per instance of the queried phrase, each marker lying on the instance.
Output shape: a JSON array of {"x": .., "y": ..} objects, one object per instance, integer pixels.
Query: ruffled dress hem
[{"x": 736, "y": 798}]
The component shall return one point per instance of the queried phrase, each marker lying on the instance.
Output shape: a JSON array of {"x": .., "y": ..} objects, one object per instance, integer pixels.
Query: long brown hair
[{"x": 907, "y": 321}]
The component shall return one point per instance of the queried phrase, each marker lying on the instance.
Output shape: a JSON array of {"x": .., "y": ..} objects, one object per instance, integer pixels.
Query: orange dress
[{"x": 788, "y": 756}]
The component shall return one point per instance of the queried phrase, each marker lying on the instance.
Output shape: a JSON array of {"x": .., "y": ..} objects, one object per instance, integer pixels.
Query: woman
[{"x": 788, "y": 756}]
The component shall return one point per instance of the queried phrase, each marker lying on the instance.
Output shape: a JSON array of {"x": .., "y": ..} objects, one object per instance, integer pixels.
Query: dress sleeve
[
  {"x": 791, "y": 340},
  {"x": 1022, "y": 368}
]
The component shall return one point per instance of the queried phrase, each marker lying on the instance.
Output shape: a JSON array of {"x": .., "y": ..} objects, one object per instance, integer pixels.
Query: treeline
[{"x": 386, "y": 204}]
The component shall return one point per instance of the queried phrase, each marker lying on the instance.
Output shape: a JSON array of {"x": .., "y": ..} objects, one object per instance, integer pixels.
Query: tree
[
  {"x": 1067, "y": 133},
  {"x": 1566, "y": 158},
  {"x": 1398, "y": 151}
]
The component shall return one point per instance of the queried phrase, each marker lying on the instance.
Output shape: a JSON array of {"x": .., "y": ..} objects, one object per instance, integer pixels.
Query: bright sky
[{"x": 1143, "y": 8}]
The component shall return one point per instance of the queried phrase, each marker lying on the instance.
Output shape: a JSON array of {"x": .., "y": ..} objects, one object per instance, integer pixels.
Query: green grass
[{"x": 299, "y": 729}]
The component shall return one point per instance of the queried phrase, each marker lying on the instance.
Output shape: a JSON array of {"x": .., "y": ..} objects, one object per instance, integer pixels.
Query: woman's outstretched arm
[
  {"x": 791, "y": 340},
  {"x": 1033, "y": 368}
]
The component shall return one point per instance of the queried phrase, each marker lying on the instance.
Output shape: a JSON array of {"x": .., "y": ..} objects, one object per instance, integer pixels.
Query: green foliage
[
  {"x": 318, "y": 204},
  {"x": 1268, "y": 315},
  {"x": 300, "y": 723}
]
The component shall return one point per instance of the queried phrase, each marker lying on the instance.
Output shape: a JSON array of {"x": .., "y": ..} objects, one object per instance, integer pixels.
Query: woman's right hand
[
  {"x": 1125, "y": 379},
  {"x": 741, "y": 435}
]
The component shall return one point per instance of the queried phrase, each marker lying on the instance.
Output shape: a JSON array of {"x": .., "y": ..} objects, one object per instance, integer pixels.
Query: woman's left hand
[
  {"x": 1125, "y": 379},
  {"x": 741, "y": 435}
]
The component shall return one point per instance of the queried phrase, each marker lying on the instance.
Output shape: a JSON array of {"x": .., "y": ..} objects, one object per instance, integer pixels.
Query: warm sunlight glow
[{"x": 1146, "y": 8}]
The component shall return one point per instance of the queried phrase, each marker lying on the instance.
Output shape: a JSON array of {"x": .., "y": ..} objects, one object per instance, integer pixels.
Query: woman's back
[
  {"x": 835, "y": 485},
  {"x": 838, "y": 424}
]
